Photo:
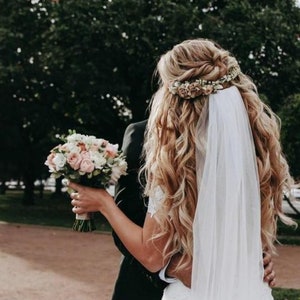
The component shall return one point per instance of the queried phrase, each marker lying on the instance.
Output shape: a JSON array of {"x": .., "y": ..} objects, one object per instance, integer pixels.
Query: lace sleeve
[{"x": 155, "y": 201}]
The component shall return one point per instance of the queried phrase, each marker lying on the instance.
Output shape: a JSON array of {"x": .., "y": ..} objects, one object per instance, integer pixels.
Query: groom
[{"x": 134, "y": 282}]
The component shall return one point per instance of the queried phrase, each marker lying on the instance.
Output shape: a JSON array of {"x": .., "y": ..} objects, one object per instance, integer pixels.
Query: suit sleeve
[{"x": 129, "y": 194}]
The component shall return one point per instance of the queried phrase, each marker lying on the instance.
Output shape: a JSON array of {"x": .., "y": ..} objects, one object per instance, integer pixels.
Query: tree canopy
[{"x": 88, "y": 65}]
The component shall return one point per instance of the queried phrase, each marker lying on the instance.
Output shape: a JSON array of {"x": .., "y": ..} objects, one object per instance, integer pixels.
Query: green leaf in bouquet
[
  {"x": 84, "y": 225},
  {"x": 96, "y": 172}
]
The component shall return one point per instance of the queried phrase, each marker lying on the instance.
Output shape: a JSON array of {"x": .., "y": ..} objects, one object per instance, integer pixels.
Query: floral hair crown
[{"x": 200, "y": 87}]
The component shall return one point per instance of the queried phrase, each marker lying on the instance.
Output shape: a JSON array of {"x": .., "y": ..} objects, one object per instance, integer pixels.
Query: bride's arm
[
  {"x": 135, "y": 238},
  {"x": 184, "y": 275}
]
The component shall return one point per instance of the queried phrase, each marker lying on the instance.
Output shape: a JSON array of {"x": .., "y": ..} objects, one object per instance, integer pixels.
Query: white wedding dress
[{"x": 227, "y": 254}]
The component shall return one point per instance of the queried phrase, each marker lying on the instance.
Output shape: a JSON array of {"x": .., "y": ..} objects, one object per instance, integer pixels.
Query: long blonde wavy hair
[{"x": 170, "y": 145}]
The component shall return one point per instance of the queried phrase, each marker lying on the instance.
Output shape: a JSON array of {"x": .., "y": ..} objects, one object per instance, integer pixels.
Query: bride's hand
[
  {"x": 184, "y": 275},
  {"x": 87, "y": 199},
  {"x": 269, "y": 274}
]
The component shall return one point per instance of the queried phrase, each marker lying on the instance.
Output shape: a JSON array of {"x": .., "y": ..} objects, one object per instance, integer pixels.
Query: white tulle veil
[{"x": 227, "y": 259}]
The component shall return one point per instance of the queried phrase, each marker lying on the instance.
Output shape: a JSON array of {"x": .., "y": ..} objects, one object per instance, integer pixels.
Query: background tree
[
  {"x": 24, "y": 90},
  {"x": 88, "y": 65},
  {"x": 289, "y": 114}
]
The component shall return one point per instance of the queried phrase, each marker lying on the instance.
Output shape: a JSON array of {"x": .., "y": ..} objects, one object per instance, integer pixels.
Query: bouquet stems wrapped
[
  {"x": 89, "y": 161},
  {"x": 84, "y": 222}
]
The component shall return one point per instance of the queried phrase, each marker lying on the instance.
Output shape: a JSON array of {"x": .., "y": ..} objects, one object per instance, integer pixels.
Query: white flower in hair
[{"x": 202, "y": 87}]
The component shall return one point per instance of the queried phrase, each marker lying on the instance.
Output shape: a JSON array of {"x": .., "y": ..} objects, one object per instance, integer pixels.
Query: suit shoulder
[
  {"x": 136, "y": 126},
  {"x": 133, "y": 143}
]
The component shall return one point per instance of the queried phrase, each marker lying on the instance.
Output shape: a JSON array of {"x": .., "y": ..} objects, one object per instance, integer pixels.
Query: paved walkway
[{"x": 39, "y": 263}]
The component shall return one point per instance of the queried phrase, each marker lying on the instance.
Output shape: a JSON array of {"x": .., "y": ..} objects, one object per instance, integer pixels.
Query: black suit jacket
[{"x": 134, "y": 281}]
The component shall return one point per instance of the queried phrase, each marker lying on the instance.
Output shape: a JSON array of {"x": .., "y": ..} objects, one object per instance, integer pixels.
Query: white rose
[
  {"x": 90, "y": 140},
  {"x": 59, "y": 160},
  {"x": 98, "y": 159},
  {"x": 70, "y": 147},
  {"x": 117, "y": 171},
  {"x": 74, "y": 138},
  {"x": 98, "y": 142},
  {"x": 123, "y": 166},
  {"x": 115, "y": 175}
]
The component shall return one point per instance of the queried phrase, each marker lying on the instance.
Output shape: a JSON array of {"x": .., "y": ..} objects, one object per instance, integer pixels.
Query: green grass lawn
[
  {"x": 289, "y": 234},
  {"x": 49, "y": 211},
  {"x": 56, "y": 211},
  {"x": 286, "y": 294}
]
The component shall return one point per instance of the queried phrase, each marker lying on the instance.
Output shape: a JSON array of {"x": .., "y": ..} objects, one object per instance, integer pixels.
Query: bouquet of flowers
[{"x": 89, "y": 161}]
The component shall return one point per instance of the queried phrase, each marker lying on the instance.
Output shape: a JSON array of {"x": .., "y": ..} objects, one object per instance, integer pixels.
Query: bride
[{"x": 214, "y": 176}]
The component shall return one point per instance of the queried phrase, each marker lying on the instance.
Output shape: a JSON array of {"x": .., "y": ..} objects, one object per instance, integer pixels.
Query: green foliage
[
  {"x": 51, "y": 210},
  {"x": 263, "y": 36},
  {"x": 88, "y": 64},
  {"x": 289, "y": 235},
  {"x": 286, "y": 294},
  {"x": 290, "y": 118},
  {"x": 24, "y": 91}
]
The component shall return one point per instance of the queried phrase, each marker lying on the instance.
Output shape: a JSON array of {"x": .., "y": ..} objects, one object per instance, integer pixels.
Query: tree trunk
[
  {"x": 58, "y": 187},
  {"x": 3, "y": 187},
  {"x": 28, "y": 196}
]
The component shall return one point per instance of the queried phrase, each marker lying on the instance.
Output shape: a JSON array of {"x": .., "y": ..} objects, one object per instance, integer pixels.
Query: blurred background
[{"x": 88, "y": 65}]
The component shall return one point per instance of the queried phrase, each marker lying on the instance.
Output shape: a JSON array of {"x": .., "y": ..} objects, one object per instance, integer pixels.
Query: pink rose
[
  {"x": 49, "y": 162},
  {"x": 74, "y": 159},
  {"x": 94, "y": 147},
  {"x": 87, "y": 166},
  {"x": 195, "y": 89},
  {"x": 81, "y": 146},
  {"x": 208, "y": 90},
  {"x": 183, "y": 92},
  {"x": 85, "y": 155},
  {"x": 104, "y": 143},
  {"x": 64, "y": 147},
  {"x": 111, "y": 150}
]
